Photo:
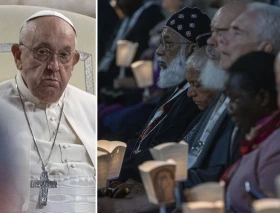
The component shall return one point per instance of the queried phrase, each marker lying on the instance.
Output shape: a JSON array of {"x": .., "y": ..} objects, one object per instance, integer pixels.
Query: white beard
[
  {"x": 212, "y": 77},
  {"x": 175, "y": 72}
]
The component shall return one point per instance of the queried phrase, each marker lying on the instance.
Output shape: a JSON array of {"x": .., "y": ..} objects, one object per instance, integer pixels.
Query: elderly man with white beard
[
  {"x": 213, "y": 149},
  {"x": 184, "y": 32}
]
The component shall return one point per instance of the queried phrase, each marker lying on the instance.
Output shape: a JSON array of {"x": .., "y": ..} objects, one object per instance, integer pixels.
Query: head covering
[
  {"x": 191, "y": 24},
  {"x": 50, "y": 13}
]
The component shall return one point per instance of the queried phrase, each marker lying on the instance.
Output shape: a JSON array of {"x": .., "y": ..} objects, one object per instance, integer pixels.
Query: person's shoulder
[
  {"x": 5, "y": 84},
  {"x": 80, "y": 95},
  {"x": 271, "y": 145},
  {"x": 6, "y": 87}
]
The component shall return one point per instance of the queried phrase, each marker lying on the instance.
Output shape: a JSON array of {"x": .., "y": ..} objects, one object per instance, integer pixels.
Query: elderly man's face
[
  {"x": 220, "y": 26},
  {"x": 170, "y": 47},
  {"x": 202, "y": 97},
  {"x": 46, "y": 79},
  {"x": 277, "y": 77},
  {"x": 171, "y": 58},
  {"x": 241, "y": 39}
]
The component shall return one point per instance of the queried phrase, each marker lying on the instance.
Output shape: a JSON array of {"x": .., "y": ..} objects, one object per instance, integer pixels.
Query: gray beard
[
  {"x": 175, "y": 72},
  {"x": 212, "y": 77}
]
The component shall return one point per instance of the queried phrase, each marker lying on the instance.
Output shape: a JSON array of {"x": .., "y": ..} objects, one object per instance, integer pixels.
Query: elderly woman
[
  {"x": 202, "y": 97},
  {"x": 253, "y": 107}
]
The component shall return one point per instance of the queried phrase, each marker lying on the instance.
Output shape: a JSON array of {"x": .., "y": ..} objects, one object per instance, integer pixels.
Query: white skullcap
[{"x": 51, "y": 13}]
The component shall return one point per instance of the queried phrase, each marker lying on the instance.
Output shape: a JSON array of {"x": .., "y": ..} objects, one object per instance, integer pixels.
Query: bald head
[
  {"x": 221, "y": 24},
  {"x": 256, "y": 29}
]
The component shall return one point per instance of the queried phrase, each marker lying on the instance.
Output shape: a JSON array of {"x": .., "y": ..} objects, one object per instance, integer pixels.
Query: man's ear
[
  {"x": 265, "y": 46},
  {"x": 190, "y": 49},
  {"x": 17, "y": 55},
  {"x": 76, "y": 58},
  {"x": 263, "y": 98}
]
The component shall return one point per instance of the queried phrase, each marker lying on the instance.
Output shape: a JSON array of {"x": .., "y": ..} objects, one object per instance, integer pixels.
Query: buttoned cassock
[{"x": 72, "y": 162}]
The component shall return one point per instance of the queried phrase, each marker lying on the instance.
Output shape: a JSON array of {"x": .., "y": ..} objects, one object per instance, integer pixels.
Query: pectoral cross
[{"x": 44, "y": 184}]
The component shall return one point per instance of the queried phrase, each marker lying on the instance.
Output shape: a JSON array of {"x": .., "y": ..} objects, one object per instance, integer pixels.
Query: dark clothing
[
  {"x": 107, "y": 21},
  {"x": 180, "y": 113},
  {"x": 123, "y": 124},
  {"x": 139, "y": 33},
  {"x": 219, "y": 151}
]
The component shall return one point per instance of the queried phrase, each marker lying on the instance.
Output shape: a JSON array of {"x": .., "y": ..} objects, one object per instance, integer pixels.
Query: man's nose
[
  {"x": 224, "y": 38},
  {"x": 53, "y": 63},
  {"x": 212, "y": 41},
  {"x": 191, "y": 92},
  {"x": 160, "y": 51}
]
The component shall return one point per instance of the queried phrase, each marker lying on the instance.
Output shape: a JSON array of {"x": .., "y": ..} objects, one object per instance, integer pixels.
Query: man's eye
[
  {"x": 64, "y": 54},
  {"x": 168, "y": 44},
  {"x": 43, "y": 52}
]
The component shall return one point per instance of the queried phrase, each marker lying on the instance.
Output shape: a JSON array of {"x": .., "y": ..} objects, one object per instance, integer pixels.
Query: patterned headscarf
[{"x": 191, "y": 24}]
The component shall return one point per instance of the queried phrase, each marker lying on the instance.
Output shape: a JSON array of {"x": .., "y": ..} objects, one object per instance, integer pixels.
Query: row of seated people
[{"x": 225, "y": 109}]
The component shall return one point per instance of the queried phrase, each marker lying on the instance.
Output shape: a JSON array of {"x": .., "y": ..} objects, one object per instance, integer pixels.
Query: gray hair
[
  {"x": 198, "y": 58},
  {"x": 267, "y": 25}
]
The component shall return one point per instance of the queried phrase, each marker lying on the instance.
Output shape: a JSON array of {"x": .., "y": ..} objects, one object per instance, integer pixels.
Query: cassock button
[
  {"x": 73, "y": 165},
  {"x": 66, "y": 146},
  {"x": 52, "y": 119},
  {"x": 66, "y": 161}
]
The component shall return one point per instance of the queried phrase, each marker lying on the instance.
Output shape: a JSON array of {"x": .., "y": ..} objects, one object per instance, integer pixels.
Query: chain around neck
[{"x": 33, "y": 137}]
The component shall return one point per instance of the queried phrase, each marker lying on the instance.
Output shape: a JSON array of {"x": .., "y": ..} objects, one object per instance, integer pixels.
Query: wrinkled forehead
[
  {"x": 170, "y": 33},
  {"x": 245, "y": 21},
  {"x": 227, "y": 14},
  {"x": 192, "y": 73}
]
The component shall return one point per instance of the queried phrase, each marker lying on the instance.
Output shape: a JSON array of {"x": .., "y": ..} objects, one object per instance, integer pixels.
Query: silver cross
[{"x": 44, "y": 184}]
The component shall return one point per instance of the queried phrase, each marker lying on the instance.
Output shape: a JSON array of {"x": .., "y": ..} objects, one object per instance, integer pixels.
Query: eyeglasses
[
  {"x": 44, "y": 54},
  {"x": 168, "y": 45}
]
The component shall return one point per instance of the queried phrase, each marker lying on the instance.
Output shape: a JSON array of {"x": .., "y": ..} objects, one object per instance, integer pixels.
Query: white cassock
[{"x": 72, "y": 162}]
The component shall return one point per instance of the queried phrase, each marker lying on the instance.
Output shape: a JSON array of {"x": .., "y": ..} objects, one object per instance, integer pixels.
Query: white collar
[{"x": 25, "y": 92}]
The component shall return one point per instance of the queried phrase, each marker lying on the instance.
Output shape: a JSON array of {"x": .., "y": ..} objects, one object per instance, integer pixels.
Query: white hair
[
  {"x": 198, "y": 58},
  {"x": 267, "y": 25}
]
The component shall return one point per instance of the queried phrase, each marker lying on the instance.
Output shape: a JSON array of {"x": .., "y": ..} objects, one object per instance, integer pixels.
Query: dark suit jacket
[
  {"x": 219, "y": 151},
  {"x": 180, "y": 113}
]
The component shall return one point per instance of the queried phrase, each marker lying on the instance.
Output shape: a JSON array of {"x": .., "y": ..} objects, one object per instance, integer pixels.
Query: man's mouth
[
  {"x": 50, "y": 82},
  {"x": 162, "y": 64}
]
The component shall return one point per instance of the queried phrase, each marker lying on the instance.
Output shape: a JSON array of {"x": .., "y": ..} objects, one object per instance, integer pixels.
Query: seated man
[
  {"x": 184, "y": 32},
  {"x": 203, "y": 98},
  {"x": 58, "y": 135},
  {"x": 253, "y": 107}
]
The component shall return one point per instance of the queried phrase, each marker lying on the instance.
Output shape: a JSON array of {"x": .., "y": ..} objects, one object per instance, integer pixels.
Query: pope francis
[{"x": 56, "y": 133}]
